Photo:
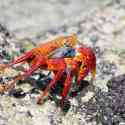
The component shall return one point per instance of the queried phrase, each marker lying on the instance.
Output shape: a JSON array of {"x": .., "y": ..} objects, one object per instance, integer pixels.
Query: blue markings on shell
[{"x": 63, "y": 53}]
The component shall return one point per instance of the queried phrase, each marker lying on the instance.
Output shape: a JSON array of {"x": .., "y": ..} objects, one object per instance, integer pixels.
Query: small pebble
[{"x": 17, "y": 93}]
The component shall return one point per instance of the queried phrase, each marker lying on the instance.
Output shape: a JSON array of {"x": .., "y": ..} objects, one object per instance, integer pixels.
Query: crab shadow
[{"x": 41, "y": 83}]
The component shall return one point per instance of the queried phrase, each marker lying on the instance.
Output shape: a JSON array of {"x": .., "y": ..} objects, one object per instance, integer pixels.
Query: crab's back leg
[
  {"x": 39, "y": 61},
  {"x": 18, "y": 60},
  {"x": 34, "y": 67},
  {"x": 22, "y": 58}
]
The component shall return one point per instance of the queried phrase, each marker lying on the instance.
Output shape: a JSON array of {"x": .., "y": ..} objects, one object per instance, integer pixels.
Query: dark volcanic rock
[
  {"x": 17, "y": 93},
  {"x": 109, "y": 107}
]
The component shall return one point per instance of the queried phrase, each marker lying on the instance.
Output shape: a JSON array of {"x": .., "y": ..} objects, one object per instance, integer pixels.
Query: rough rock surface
[
  {"x": 103, "y": 30},
  {"x": 109, "y": 107}
]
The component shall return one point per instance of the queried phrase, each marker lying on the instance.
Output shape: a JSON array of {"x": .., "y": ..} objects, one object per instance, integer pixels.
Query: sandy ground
[{"x": 29, "y": 17}]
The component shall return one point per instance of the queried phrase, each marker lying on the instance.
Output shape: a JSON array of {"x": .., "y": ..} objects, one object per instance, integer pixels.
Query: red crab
[
  {"x": 74, "y": 61},
  {"x": 80, "y": 64}
]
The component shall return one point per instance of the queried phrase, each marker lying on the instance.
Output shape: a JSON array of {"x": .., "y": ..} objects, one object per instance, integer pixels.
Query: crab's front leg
[
  {"x": 67, "y": 86},
  {"x": 34, "y": 67},
  {"x": 83, "y": 72}
]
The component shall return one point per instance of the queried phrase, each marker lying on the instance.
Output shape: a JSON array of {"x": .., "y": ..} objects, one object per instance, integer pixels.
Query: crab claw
[
  {"x": 40, "y": 99},
  {"x": 2, "y": 88},
  {"x": 9, "y": 85},
  {"x": 2, "y": 67}
]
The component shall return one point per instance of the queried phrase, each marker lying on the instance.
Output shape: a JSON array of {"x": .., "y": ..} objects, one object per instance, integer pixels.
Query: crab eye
[
  {"x": 78, "y": 56},
  {"x": 66, "y": 43}
]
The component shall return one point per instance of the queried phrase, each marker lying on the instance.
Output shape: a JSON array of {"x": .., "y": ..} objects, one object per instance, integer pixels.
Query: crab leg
[
  {"x": 67, "y": 86},
  {"x": 58, "y": 75},
  {"x": 18, "y": 60},
  {"x": 21, "y": 58},
  {"x": 12, "y": 83}
]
